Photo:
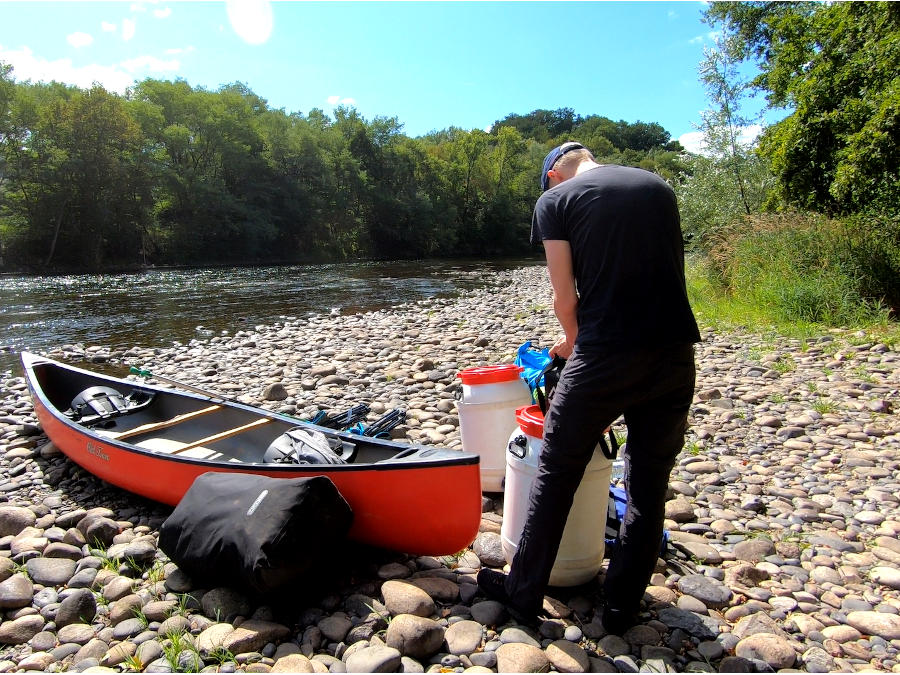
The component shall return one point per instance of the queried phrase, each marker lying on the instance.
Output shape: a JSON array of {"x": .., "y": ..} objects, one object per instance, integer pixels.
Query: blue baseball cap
[{"x": 553, "y": 157}]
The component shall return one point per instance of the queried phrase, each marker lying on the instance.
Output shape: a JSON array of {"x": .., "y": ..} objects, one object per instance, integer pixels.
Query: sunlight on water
[{"x": 159, "y": 307}]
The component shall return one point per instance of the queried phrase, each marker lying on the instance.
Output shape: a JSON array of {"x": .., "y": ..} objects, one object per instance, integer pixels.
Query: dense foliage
[
  {"x": 175, "y": 174},
  {"x": 836, "y": 68}
]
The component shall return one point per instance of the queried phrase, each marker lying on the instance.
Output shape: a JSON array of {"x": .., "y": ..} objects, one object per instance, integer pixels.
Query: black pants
[{"x": 653, "y": 388}]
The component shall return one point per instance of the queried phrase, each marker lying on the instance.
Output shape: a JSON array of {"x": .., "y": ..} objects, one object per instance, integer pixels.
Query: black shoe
[
  {"x": 617, "y": 621},
  {"x": 492, "y": 584}
]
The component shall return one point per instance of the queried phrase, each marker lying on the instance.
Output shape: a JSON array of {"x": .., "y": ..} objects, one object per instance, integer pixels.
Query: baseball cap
[{"x": 553, "y": 157}]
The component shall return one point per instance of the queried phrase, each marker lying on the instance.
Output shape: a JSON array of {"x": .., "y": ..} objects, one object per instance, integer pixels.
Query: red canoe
[{"x": 154, "y": 442}]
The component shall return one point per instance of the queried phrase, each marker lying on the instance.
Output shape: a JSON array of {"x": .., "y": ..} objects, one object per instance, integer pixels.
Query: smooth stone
[
  {"x": 488, "y": 612},
  {"x": 21, "y": 630},
  {"x": 516, "y": 657},
  {"x": 510, "y": 635},
  {"x": 567, "y": 657},
  {"x": 403, "y": 597},
  {"x": 754, "y": 550},
  {"x": 886, "y": 576},
  {"x": 17, "y": 591},
  {"x": 221, "y": 604},
  {"x": 213, "y": 637},
  {"x": 293, "y": 663},
  {"x": 253, "y": 634},
  {"x": 414, "y": 636},
  {"x": 77, "y": 633},
  {"x": 710, "y": 592},
  {"x": 78, "y": 607},
  {"x": 774, "y": 650},
  {"x": 463, "y": 637},
  {"x": 377, "y": 659},
  {"x": 14, "y": 519},
  {"x": 50, "y": 571},
  {"x": 886, "y": 626}
]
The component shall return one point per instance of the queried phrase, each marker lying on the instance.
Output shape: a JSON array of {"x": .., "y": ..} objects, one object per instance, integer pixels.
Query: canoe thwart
[
  {"x": 224, "y": 434},
  {"x": 165, "y": 424}
]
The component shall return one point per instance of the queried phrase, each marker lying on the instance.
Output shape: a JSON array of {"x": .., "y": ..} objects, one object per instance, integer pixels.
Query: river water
[{"x": 157, "y": 308}]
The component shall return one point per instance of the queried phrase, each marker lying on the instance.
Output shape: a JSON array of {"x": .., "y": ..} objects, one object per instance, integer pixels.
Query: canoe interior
[{"x": 60, "y": 384}]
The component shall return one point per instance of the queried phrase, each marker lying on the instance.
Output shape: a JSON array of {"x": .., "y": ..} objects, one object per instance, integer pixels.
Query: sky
[{"x": 431, "y": 65}]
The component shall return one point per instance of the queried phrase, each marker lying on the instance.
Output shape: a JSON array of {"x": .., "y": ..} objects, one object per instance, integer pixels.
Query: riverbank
[{"x": 785, "y": 496}]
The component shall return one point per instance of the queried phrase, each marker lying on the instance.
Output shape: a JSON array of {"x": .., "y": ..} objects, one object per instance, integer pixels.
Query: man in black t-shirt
[{"x": 612, "y": 238}]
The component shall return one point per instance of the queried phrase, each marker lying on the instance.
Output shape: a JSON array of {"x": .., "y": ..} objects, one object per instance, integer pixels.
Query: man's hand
[{"x": 561, "y": 348}]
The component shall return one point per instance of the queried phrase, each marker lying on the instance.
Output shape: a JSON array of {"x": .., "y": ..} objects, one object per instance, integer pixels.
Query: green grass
[
  {"x": 823, "y": 406},
  {"x": 722, "y": 310}
]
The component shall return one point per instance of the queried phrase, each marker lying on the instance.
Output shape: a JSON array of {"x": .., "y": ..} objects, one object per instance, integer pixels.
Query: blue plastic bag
[{"x": 534, "y": 361}]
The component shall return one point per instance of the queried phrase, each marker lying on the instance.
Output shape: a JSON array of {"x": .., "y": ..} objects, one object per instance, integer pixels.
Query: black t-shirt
[{"x": 624, "y": 229}]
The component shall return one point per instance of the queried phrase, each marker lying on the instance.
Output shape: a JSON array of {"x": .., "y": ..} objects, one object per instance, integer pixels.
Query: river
[{"x": 157, "y": 308}]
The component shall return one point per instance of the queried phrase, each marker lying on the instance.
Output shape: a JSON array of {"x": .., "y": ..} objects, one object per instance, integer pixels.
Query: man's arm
[{"x": 565, "y": 297}]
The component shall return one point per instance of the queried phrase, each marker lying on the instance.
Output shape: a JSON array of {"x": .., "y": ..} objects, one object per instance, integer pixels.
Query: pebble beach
[{"x": 784, "y": 513}]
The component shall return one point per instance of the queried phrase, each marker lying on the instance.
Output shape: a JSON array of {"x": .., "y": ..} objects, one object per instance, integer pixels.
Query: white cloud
[
  {"x": 108, "y": 27},
  {"x": 79, "y": 39},
  {"x": 116, "y": 78},
  {"x": 162, "y": 13},
  {"x": 692, "y": 141},
  {"x": 150, "y": 64},
  {"x": 695, "y": 141},
  {"x": 128, "y": 28},
  {"x": 335, "y": 100},
  {"x": 138, "y": 7},
  {"x": 26, "y": 66},
  {"x": 252, "y": 20},
  {"x": 672, "y": 14}
]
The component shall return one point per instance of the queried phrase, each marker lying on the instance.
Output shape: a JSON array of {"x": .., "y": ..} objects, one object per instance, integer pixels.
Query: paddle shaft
[{"x": 178, "y": 383}]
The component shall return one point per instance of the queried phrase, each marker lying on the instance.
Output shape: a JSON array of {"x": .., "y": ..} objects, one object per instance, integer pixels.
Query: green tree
[{"x": 838, "y": 66}]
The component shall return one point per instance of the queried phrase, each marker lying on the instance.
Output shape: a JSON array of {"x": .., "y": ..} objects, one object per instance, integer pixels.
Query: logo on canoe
[{"x": 97, "y": 452}]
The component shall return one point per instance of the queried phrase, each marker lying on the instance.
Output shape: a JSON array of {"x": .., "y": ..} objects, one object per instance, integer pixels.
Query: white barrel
[
  {"x": 581, "y": 550},
  {"x": 487, "y": 416}
]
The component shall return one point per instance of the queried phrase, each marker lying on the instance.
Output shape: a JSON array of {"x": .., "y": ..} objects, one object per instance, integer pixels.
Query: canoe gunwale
[{"x": 393, "y": 463}]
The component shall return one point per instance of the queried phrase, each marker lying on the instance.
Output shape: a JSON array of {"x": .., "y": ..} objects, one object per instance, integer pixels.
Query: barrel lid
[
  {"x": 507, "y": 372},
  {"x": 531, "y": 420}
]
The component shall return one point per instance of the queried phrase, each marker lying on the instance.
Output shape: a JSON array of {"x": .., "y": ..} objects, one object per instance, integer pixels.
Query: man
[{"x": 612, "y": 237}]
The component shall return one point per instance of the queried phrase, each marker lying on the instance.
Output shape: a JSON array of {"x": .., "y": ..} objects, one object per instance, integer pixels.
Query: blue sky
[{"x": 430, "y": 64}]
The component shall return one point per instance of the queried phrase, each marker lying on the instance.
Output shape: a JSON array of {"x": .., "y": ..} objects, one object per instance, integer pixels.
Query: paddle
[{"x": 146, "y": 373}]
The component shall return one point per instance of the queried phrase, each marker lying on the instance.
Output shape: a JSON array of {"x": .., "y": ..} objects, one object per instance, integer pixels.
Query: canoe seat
[{"x": 168, "y": 446}]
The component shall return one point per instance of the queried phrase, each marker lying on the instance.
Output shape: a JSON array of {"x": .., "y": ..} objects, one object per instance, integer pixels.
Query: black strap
[
  {"x": 543, "y": 397},
  {"x": 613, "y": 442}
]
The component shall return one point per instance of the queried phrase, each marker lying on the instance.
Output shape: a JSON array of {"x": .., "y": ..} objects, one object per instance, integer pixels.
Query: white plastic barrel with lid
[
  {"x": 487, "y": 416},
  {"x": 580, "y": 555}
]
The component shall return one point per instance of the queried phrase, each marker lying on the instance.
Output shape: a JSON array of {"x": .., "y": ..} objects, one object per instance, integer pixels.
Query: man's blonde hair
[{"x": 573, "y": 158}]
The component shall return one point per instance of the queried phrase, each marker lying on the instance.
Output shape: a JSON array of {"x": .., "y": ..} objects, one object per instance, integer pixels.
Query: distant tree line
[{"x": 171, "y": 174}]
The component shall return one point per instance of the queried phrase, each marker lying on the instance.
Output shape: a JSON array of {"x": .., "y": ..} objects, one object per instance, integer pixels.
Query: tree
[{"x": 838, "y": 66}]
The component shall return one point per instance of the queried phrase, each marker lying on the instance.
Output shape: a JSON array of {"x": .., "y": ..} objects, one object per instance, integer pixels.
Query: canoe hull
[{"x": 420, "y": 508}]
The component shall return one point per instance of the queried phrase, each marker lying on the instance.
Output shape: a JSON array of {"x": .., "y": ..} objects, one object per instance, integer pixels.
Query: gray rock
[
  {"x": 414, "y": 636},
  {"x": 221, "y": 604},
  {"x": 699, "y": 626},
  {"x": 754, "y": 550},
  {"x": 50, "y": 571},
  {"x": 516, "y": 657},
  {"x": 402, "y": 597},
  {"x": 883, "y": 625},
  {"x": 464, "y": 637},
  {"x": 14, "y": 519},
  {"x": 335, "y": 628},
  {"x": 510, "y": 635},
  {"x": 77, "y": 633},
  {"x": 567, "y": 657},
  {"x": 817, "y": 660},
  {"x": 776, "y": 651},
  {"x": 21, "y": 630},
  {"x": 16, "y": 592},
  {"x": 489, "y": 549},
  {"x": 709, "y": 591},
  {"x": 378, "y": 659},
  {"x": 78, "y": 607},
  {"x": 253, "y": 635},
  {"x": 488, "y": 612}
]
